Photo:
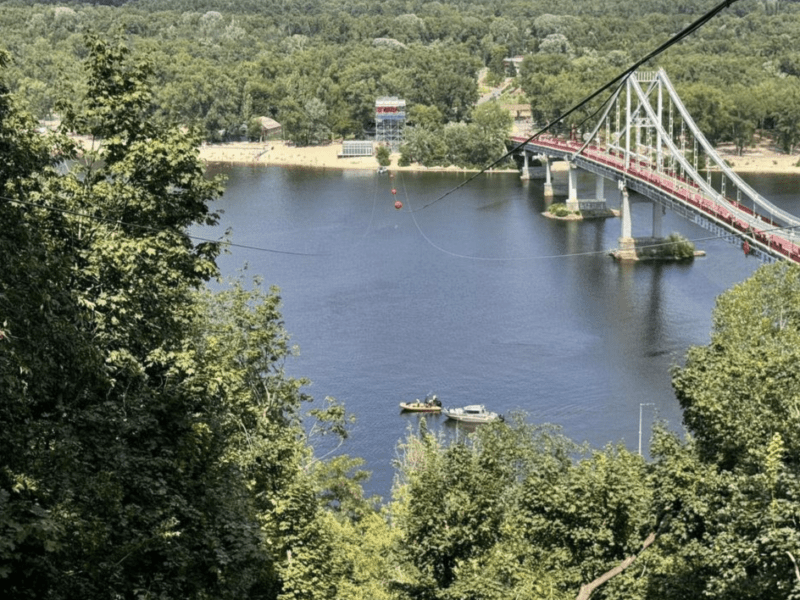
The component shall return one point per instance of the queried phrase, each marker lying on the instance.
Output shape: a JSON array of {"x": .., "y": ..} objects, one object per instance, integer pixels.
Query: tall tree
[
  {"x": 116, "y": 477},
  {"x": 45, "y": 356},
  {"x": 732, "y": 488},
  {"x": 152, "y": 445},
  {"x": 518, "y": 511}
]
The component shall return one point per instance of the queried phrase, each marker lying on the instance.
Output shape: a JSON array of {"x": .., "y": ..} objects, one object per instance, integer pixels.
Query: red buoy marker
[
  {"x": 394, "y": 191},
  {"x": 398, "y": 205}
]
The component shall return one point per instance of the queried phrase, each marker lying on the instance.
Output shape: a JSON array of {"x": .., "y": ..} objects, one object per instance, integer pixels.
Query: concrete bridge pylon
[
  {"x": 548, "y": 178},
  {"x": 543, "y": 171},
  {"x": 646, "y": 139},
  {"x": 627, "y": 244},
  {"x": 596, "y": 205}
]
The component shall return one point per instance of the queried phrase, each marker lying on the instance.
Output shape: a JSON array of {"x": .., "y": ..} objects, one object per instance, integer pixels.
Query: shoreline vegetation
[
  {"x": 758, "y": 159},
  {"x": 280, "y": 153}
]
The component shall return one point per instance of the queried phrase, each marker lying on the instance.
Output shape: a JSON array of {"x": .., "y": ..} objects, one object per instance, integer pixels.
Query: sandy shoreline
[
  {"x": 283, "y": 154},
  {"x": 756, "y": 160}
]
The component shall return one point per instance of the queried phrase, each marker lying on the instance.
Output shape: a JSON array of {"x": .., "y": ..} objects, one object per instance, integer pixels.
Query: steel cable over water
[{"x": 619, "y": 79}]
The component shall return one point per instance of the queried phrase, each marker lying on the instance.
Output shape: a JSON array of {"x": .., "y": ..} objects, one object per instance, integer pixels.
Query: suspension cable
[{"x": 618, "y": 80}]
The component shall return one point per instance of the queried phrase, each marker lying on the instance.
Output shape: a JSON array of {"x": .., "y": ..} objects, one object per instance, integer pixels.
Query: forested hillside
[
  {"x": 152, "y": 445},
  {"x": 317, "y": 67}
]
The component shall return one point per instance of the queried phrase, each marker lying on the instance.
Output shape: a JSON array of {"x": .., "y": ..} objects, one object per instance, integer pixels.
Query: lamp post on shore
[{"x": 642, "y": 404}]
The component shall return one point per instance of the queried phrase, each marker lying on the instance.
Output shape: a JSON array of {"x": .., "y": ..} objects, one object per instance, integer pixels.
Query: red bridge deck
[{"x": 681, "y": 189}]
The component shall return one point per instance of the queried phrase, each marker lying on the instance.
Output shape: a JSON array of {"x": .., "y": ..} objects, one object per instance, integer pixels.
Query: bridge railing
[{"x": 726, "y": 211}]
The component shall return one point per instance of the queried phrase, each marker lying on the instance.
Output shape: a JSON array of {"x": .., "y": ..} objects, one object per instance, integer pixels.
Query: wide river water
[{"x": 476, "y": 297}]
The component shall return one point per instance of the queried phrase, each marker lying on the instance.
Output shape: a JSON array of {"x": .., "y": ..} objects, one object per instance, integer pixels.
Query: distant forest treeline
[
  {"x": 317, "y": 67},
  {"x": 152, "y": 444}
]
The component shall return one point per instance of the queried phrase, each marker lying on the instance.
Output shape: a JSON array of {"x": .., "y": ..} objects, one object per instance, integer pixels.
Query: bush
[
  {"x": 558, "y": 209},
  {"x": 674, "y": 247},
  {"x": 679, "y": 247},
  {"x": 384, "y": 156},
  {"x": 404, "y": 160}
]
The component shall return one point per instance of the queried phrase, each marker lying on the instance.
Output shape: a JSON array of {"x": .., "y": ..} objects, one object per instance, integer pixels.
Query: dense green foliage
[
  {"x": 733, "y": 488},
  {"x": 318, "y": 67},
  {"x": 511, "y": 512},
  {"x": 673, "y": 247},
  {"x": 151, "y": 444},
  {"x": 559, "y": 209},
  {"x": 475, "y": 144}
]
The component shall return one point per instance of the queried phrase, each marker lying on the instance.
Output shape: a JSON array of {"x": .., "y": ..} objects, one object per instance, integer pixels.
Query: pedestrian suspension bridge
[{"x": 646, "y": 141}]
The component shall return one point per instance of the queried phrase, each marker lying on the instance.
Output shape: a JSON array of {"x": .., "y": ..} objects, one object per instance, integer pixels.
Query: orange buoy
[{"x": 398, "y": 205}]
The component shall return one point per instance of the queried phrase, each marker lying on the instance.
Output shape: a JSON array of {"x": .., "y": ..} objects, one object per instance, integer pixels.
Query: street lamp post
[{"x": 642, "y": 404}]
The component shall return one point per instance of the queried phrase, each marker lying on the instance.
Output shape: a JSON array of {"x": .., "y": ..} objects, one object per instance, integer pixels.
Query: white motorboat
[{"x": 474, "y": 413}]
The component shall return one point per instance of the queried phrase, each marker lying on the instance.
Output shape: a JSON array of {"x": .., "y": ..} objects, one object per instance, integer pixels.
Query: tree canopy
[
  {"x": 151, "y": 443},
  {"x": 318, "y": 68},
  {"x": 732, "y": 487}
]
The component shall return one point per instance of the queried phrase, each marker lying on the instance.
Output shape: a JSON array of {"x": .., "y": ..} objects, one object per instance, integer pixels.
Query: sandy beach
[
  {"x": 284, "y": 154},
  {"x": 281, "y": 153},
  {"x": 759, "y": 159}
]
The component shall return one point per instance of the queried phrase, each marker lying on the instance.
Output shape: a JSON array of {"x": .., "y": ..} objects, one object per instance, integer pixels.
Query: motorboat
[
  {"x": 430, "y": 404},
  {"x": 474, "y": 413}
]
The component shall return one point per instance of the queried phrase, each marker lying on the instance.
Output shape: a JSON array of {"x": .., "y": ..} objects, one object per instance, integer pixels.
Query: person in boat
[{"x": 432, "y": 400}]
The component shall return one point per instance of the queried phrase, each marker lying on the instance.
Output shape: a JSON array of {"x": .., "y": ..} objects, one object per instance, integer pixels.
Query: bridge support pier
[
  {"x": 572, "y": 197},
  {"x": 598, "y": 205},
  {"x": 548, "y": 178},
  {"x": 599, "y": 190},
  {"x": 627, "y": 245},
  {"x": 532, "y": 172}
]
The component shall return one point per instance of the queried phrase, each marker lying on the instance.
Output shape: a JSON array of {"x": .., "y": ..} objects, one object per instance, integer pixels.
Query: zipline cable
[
  {"x": 489, "y": 258},
  {"x": 722, "y": 236},
  {"x": 228, "y": 244},
  {"x": 148, "y": 228},
  {"x": 619, "y": 79}
]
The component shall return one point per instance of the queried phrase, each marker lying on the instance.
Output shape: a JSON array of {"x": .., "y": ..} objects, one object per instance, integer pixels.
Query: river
[{"x": 474, "y": 296}]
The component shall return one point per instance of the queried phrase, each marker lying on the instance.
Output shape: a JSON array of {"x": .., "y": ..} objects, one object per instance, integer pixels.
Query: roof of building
[
  {"x": 268, "y": 123},
  {"x": 390, "y": 101}
]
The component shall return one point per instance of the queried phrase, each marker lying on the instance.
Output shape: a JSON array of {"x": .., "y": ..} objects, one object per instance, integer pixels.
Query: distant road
[{"x": 493, "y": 93}]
